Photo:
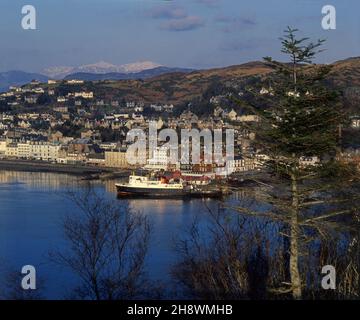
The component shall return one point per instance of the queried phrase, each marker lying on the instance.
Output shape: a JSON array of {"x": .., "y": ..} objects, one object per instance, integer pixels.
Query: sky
[{"x": 197, "y": 34}]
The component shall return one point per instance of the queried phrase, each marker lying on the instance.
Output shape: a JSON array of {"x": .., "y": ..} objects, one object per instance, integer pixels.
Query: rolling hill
[
  {"x": 18, "y": 78},
  {"x": 145, "y": 74},
  {"x": 178, "y": 86}
]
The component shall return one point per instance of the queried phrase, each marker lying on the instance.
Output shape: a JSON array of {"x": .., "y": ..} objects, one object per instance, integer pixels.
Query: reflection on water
[
  {"x": 38, "y": 180},
  {"x": 110, "y": 186},
  {"x": 31, "y": 211}
]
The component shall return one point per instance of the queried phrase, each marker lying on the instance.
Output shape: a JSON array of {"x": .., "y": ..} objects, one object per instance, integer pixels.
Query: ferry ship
[{"x": 146, "y": 187}]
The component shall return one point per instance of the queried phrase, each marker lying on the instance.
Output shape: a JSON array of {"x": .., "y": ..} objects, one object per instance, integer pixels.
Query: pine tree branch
[{"x": 326, "y": 216}]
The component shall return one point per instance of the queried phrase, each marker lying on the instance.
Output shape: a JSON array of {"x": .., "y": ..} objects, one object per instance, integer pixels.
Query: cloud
[
  {"x": 170, "y": 12},
  {"x": 184, "y": 24},
  {"x": 234, "y": 24},
  {"x": 177, "y": 18}
]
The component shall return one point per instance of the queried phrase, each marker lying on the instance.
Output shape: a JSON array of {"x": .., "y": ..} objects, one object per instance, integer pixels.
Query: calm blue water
[{"x": 31, "y": 209}]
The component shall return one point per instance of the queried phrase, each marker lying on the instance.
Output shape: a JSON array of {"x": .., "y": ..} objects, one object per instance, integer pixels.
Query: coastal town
[
  {"x": 74, "y": 132},
  {"x": 179, "y": 157},
  {"x": 60, "y": 124}
]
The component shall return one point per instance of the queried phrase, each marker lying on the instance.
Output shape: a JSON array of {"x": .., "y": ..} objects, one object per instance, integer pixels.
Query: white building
[
  {"x": 138, "y": 109},
  {"x": 160, "y": 108},
  {"x": 130, "y": 104},
  {"x": 168, "y": 107},
  {"x": 84, "y": 94},
  {"x": 38, "y": 90},
  {"x": 31, "y": 99},
  {"x": 240, "y": 164},
  {"x": 3, "y": 126},
  {"x": 61, "y": 99},
  {"x": 109, "y": 146},
  {"x": 156, "y": 107},
  {"x": 23, "y": 150},
  {"x": 121, "y": 116},
  {"x": 74, "y": 81},
  {"x": 11, "y": 150},
  {"x": 159, "y": 159},
  {"x": 44, "y": 151},
  {"x": 248, "y": 118},
  {"x": 2, "y": 148},
  {"x": 269, "y": 91},
  {"x": 232, "y": 115},
  {"x": 7, "y": 94},
  {"x": 293, "y": 94}
]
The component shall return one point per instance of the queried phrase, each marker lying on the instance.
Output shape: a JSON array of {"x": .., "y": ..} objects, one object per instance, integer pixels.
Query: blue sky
[{"x": 183, "y": 33}]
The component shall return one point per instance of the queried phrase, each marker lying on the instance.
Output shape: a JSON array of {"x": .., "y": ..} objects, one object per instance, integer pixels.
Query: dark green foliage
[{"x": 302, "y": 118}]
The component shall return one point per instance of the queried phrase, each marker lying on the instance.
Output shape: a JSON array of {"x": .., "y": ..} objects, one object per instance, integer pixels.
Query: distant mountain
[
  {"x": 126, "y": 76},
  {"x": 101, "y": 67},
  {"x": 181, "y": 87},
  {"x": 178, "y": 86},
  {"x": 18, "y": 78}
]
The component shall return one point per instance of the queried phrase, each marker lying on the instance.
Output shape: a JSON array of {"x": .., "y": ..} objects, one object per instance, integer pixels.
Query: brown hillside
[{"x": 177, "y": 88}]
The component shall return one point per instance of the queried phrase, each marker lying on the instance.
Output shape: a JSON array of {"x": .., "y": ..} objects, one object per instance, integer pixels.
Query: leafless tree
[
  {"x": 229, "y": 258},
  {"x": 107, "y": 245},
  {"x": 246, "y": 256}
]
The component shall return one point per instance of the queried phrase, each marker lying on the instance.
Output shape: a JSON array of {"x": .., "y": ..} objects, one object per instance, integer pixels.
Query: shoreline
[{"x": 40, "y": 166}]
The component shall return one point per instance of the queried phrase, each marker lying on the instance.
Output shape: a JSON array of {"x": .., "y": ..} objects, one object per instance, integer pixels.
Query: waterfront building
[
  {"x": 116, "y": 159},
  {"x": 44, "y": 150},
  {"x": 23, "y": 150},
  {"x": 96, "y": 159},
  {"x": 108, "y": 146},
  {"x": 2, "y": 148},
  {"x": 159, "y": 159},
  {"x": 11, "y": 150},
  {"x": 241, "y": 164}
]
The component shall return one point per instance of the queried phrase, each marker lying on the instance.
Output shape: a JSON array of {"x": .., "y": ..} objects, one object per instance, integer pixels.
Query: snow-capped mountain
[
  {"x": 101, "y": 67},
  {"x": 139, "y": 66},
  {"x": 57, "y": 72}
]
